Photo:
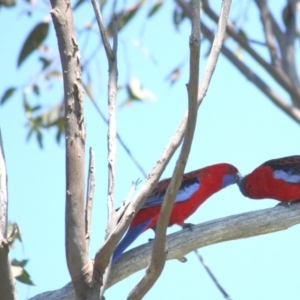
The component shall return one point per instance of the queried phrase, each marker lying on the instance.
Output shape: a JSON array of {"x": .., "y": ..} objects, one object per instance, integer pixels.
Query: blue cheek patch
[{"x": 228, "y": 179}]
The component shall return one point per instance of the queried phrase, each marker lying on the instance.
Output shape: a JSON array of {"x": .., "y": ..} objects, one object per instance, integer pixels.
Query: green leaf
[
  {"x": 33, "y": 41},
  {"x": 243, "y": 34},
  {"x": 14, "y": 227},
  {"x": 40, "y": 138},
  {"x": 20, "y": 273},
  {"x": 124, "y": 17},
  {"x": 36, "y": 89},
  {"x": 178, "y": 17},
  {"x": 136, "y": 92},
  {"x": 46, "y": 62},
  {"x": 19, "y": 263},
  {"x": 154, "y": 9},
  {"x": 25, "y": 278},
  {"x": 27, "y": 106},
  {"x": 7, "y": 94}
]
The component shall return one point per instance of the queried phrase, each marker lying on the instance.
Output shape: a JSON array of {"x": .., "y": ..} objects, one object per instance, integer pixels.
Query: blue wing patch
[
  {"x": 187, "y": 189},
  {"x": 130, "y": 236},
  {"x": 287, "y": 176}
]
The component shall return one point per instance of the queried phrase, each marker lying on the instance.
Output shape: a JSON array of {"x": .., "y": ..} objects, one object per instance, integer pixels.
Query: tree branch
[
  {"x": 215, "y": 49},
  {"x": 111, "y": 55},
  {"x": 291, "y": 110},
  {"x": 79, "y": 265},
  {"x": 90, "y": 197},
  {"x": 212, "y": 276},
  {"x": 279, "y": 75},
  {"x": 185, "y": 241},
  {"x": 3, "y": 192},
  {"x": 125, "y": 147},
  {"x": 159, "y": 252},
  {"x": 267, "y": 22},
  {"x": 7, "y": 281}
]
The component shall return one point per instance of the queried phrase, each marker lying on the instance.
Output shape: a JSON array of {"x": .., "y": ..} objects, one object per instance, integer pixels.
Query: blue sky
[{"x": 236, "y": 124}]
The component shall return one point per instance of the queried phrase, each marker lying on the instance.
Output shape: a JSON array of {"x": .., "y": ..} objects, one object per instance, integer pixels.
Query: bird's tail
[{"x": 129, "y": 238}]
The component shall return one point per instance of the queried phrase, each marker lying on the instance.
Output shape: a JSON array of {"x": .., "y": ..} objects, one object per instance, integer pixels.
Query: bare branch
[
  {"x": 181, "y": 243},
  {"x": 7, "y": 281},
  {"x": 3, "y": 192},
  {"x": 215, "y": 49},
  {"x": 288, "y": 45},
  {"x": 291, "y": 110},
  {"x": 152, "y": 180},
  {"x": 277, "y": 74},
  {"x": 211, "y": 275},
  {"x": 112, "y": 132},
  {"x": 127, "y": 200},
  {"x": 159, "y": 253},
  {"x": 125, "y": 147},
  {"x": 267, "y": 22},
  {"x": 108, "y": 50},
  {"x": 90, "y": 197},
  {"x": 79, "y": 265}
]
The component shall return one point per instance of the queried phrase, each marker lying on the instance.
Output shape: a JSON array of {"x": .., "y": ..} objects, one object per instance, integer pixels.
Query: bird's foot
[
  {"x": 284, "y": 204},
  {"x": 188, "y": 226}
]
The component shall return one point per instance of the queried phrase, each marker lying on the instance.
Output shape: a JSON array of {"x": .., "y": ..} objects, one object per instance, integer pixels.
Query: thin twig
[
  {"x": 112, "y": 127},
  {"x": 266, "y": 19},
  {"x": 278, "y": 74},
  {"x": 108, "y": 50},
  {"x": 127, "y": 200},
  {"x": 127, "y": 150},
  {"x": 291, "y": 110},
  {"x": 90, "y": 196},
  {"x": 212, "y": 276}
]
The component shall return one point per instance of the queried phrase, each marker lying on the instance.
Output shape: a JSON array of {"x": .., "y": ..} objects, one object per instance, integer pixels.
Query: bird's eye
[{"x": 231, "y": 169}]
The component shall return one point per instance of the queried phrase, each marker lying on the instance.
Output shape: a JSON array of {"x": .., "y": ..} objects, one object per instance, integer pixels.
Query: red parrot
[
  {"x": 196, "y": 187},
  {"x": 277, "y": 179}
]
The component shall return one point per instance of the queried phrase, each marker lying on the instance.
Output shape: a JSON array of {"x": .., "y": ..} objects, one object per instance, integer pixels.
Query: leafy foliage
[{"x": 33, "y": 41}]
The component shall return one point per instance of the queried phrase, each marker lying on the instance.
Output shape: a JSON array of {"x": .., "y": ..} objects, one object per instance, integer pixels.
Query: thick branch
[
  {"x": 79, "y": 266},
  {"x": 3, "y": 192},
  {"x": 7, "y": 281},
  {"x": 151, "y": 181},
  {"x": 183, "y": 242},
  {"x": 159, "y": 253}
]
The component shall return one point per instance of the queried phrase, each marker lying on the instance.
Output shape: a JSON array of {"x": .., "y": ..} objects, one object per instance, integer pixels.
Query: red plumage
[
  {"x": 277, "y": 179},
  {"x": 196, "y": 187}
]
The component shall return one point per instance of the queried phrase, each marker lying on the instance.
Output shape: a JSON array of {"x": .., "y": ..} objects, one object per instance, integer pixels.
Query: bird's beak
[{"x": 239, "y": 177}]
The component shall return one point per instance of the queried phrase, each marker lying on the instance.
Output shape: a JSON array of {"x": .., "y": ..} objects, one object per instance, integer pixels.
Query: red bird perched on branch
[
  {"x": 277, "y": 179},
  {"x": 195, "y": 188}
]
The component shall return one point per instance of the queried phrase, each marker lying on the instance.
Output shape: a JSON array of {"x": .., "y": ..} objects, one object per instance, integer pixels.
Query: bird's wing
[
  {"x": 130, "y": 236},
  {"x": 189, "y": 185},
  {"x": 286, "y": 168}
]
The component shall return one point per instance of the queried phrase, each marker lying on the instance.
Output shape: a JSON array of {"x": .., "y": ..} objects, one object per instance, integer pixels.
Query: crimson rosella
[
  {"x": 195, "y": 188},
  {"x": 277, "y": 179}
]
